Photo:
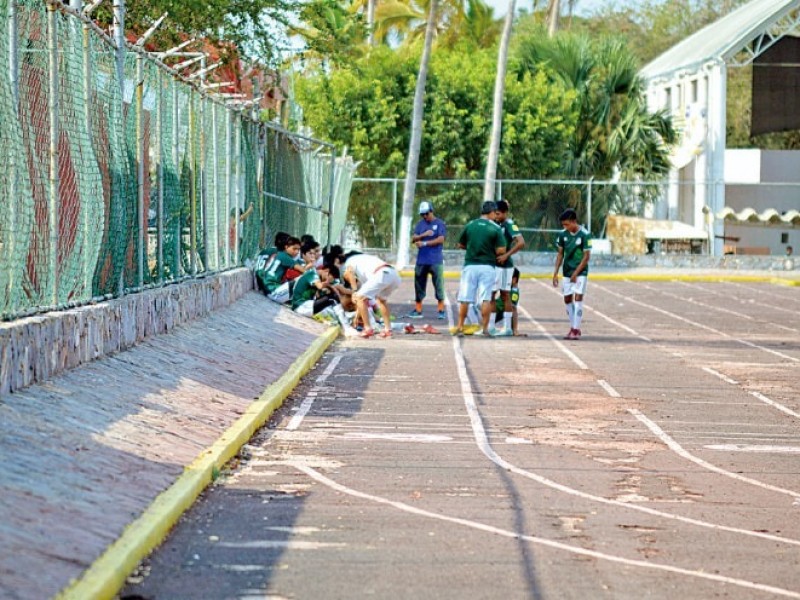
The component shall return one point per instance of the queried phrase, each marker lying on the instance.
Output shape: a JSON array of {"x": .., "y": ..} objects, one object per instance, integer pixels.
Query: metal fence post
[
  {"x": 394, "y": 215},
  {"x": 119, "y": 40},
  {"x": 13, "y": 76},
  {"x": 237, "y": 143},
  {"x": 176, "y": 115},
  {"x": 142, "y": 224},
  {"x": 589, "y": 205},
  {"x": 52, "y": 205},
  {"x": 160, "y": 177},
  {"x": 215, "y": 193},
  {"x": 330, "y": 196},
  {"x": 192, "y": 191},
  {"x": 228, "y": 186}
]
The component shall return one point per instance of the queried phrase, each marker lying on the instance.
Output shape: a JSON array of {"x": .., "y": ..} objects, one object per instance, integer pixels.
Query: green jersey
[
  {"x": 510, "y": 231},
  {"x": 304, "y": 288},
  {"x": 481, "y": 238},
  {"x": 272, "y": 275},
  {"x": 574, "y": 245}
]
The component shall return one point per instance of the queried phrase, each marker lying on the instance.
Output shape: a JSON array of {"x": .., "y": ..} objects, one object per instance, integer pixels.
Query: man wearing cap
[
  {"x": 484, "y": 241},
  {"x": 428, "y": 237}
]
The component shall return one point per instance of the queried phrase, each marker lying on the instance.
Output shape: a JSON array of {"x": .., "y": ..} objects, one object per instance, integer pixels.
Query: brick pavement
[{"x": 85, "y": 453}]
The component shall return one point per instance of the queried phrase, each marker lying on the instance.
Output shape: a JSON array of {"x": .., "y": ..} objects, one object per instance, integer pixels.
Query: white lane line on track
[
  {"x": 772, "y": 403},
  {"x": 698, "y": 303},
  {"x": 679, "y": 450},
  {"x": 551, "y": 337},
  {"x": 755, "y": 449},
  {"x": 319, "y": 477},
  {"x": 722, "y": 376},
  {"x": 608, "y": 388},
  {"x": 696, "y": 324},
  {"x": 754, "y": 394},
  {"x": 297, "y": 419},
  {"x": 482, "y": 441}
]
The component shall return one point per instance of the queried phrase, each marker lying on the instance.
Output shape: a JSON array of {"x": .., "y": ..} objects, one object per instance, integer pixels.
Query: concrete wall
[{"x": 37, "y": 348}]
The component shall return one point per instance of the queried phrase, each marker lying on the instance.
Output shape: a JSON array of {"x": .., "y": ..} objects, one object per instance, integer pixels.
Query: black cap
[{"x": 488, "y": 206}]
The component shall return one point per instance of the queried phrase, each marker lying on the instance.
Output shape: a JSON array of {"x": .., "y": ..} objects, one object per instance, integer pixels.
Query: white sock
[
  {"x": 578, "y": 314},
  {"x": 571, "y": 314},
  {"x": 507, "y": 320}
]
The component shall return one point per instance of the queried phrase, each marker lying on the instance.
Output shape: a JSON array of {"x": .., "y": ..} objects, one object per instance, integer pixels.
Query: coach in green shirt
[{"x": 483, "y": 241}]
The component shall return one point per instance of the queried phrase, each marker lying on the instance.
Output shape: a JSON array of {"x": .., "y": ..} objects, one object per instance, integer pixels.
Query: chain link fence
[
  {"x": 376, "y": 206},
  {"x": 119, "y": 179}
]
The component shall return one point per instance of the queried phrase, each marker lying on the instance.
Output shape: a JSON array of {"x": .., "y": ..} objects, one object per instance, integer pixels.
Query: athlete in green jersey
[
  {"x": 574, "y": 249},
  {"x": 504, "y": 271}
]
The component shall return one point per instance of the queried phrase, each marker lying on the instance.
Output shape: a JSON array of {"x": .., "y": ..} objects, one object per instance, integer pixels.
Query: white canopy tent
[{"x": 690, "y": 80}]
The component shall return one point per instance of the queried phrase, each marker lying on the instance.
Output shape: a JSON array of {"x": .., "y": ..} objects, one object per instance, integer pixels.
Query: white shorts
[
  {"x": 380, "y": 285},
  {"x": 477, "y": 283},
  {"x": 579, "y": 287},
  {"x": 283, "y": 293},
  {"x": 306, "y": 309},
  {"x": 502, "y": 278}
]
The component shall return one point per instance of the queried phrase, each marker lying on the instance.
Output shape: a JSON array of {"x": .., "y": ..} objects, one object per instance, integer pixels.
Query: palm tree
[
  {"x": 616, "y": 134},
  {"x": 553, "y": 14},
  {"x": 497, "y": 113},
  {"x": 415, "y": 141}
]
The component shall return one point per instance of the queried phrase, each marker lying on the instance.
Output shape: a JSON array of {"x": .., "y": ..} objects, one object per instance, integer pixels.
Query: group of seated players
[{"x": 296, "y": 272}]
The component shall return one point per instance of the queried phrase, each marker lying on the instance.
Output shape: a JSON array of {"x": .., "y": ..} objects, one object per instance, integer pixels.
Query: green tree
[
  {"x": 367, "y": 108},
  {"x": 615, "y": 133}
]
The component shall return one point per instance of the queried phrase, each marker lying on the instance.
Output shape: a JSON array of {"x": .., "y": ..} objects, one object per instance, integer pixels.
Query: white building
[{"x": 690, "y": 80}]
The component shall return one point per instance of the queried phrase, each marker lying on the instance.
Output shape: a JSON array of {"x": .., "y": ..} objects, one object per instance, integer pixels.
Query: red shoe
[
  {"x": 577, "y": 334},
  {"x": 431, "y": 329},
  {"x": 385, "y": 334},
  {"x": 367, "y": 333},
  {"x": 572, "y": 335},
  {"x": 410, "y": 329}
]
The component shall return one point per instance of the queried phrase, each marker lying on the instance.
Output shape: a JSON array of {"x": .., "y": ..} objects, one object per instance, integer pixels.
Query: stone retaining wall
[{"x": 37, "y": 348}]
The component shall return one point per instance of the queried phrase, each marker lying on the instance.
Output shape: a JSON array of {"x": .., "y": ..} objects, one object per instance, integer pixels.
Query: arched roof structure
[
  {"x": 736, "y": 38},
  {"x": 690, "y": 80}
]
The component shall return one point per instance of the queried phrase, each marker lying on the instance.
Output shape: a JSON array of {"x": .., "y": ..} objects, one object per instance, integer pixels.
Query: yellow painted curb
[{"x": 107, "y": 575}]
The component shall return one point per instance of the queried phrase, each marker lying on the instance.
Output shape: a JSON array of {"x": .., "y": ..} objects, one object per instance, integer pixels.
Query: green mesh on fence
[
  {"x": 95, "y": 229},
  {"x": 17, "y": 209}
]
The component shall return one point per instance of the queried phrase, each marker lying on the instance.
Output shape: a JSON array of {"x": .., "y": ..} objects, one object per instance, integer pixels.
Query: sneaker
[
  {"x": 367, "y": 333},
  {"x": 441, "y": 315},
  {"x": 471, "y": 329},
  {"x": 577, "y": 334},
  {"x": 502, "y": 333},
  {"x": 410, "y": 328},
  {"x": 385, "y": 333},
  {"x": 414, "y": 314},
  {"x": 481, "y": 333},
  {"x": 572, "y": 335}
]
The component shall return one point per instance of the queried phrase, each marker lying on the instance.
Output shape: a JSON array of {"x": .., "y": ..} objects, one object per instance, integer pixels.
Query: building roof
[
  {"x": 789, "y": 217},
  {"x": 720, "y": 40}
]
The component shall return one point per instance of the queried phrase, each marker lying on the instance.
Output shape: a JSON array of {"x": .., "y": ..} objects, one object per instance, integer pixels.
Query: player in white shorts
[{"x": 373, "y": 279}]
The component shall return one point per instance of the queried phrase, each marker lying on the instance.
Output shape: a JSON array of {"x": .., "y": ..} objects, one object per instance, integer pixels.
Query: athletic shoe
[
  {"x": 385, "y": 334},
  {"x": 471, "y": 329},
  {"x": 502, "y": 333},
  {"x": 367, "y": 333},
  {"x": 577, "y": 334},
  {"x": 431, "y": 329},
  {"x": 481, "y": 333},
  {"x": 441, "y": 315},
  {"x": 572, "y": 335},
  {"x": 414, "y": 314},
  {"x": 409, "y": 328}
]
